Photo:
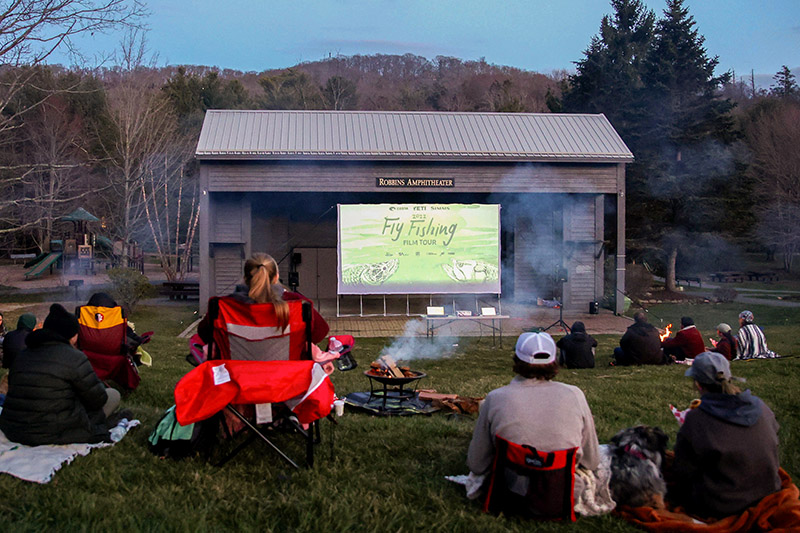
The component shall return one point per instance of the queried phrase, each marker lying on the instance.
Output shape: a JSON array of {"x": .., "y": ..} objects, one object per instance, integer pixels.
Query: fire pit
[{"x": 392, "y": 387}]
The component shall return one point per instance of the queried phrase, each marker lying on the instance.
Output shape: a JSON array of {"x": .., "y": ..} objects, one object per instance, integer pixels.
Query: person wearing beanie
[
  {"x": 640, "y": 345},
  {"x": 687, "y": 342},
  {"x": 752, "y": 344},
  {"x": 726, "y": 452},
  {"x": 54, "y": 396},
  {"x": 14, "y": 341},
  {"x": 536, "y": 411},
  {"x": 576, "y": 350},
  {"x": 726, "y": 342}
]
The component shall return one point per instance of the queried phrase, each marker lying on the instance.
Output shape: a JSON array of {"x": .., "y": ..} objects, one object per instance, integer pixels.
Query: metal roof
[{"x": 403, "y": 135}]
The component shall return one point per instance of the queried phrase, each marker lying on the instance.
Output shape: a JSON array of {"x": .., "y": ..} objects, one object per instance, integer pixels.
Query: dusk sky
[{"x": 537, "y": 35}]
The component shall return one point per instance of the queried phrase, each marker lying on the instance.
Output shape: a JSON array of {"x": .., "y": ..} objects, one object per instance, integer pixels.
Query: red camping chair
[
  {"x": 280, "y": 369},
  {"x": 534, "y": 484},
  {"x": 102, "y": 337}
]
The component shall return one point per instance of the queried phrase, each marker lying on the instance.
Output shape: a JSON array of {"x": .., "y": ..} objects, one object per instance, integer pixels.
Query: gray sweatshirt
[{"x": 547, "y": 415}]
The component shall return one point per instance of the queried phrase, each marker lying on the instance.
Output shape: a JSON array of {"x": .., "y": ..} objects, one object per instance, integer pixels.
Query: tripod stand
[{"x": 560, "y": 322}]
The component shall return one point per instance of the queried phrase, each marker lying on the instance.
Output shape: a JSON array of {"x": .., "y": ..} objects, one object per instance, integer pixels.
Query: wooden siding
[
  {"x": 580, "y": 240},
  {"x": 227, "y": 263},
  {"x": 228, "y": 222},
  {"x": 304, "y": 177}
]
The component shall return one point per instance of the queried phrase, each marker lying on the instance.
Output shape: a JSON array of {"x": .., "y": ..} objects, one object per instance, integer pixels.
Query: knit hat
[
  {"x": 27, "y": 321},
  {"x": 61, "y": 321},
  {"x": 709, "y": 368},
  {"x": 722, "y": 327},
  {"x": 747, "y": 316},
  {"x": 536, "y": 348},
  {"x": 578, "y": 327}
]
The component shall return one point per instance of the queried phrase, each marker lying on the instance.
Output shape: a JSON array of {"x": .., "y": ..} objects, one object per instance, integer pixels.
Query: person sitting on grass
[
  {"x": 536, "y": 411},
  {"x": 577, "y": 348},
  {"x": 687, "y": 343},
  {"x": 726, "y": 453},
  {"x": 752, "y": 342},
  {"x": 54, "y": 396},
  {"x": 640, "y": 345},
  {"x": 14, "y": 341},
  {"x": 726, "y": 344}
]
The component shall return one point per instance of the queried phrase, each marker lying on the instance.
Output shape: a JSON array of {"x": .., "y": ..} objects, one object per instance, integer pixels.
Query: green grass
[{"x": 387, "y": 474}]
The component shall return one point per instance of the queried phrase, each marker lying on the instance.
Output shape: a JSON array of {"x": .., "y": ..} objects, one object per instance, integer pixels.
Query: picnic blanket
[
  {"x": 778, "y": 512},
  {"x": 40, "y": 463}
]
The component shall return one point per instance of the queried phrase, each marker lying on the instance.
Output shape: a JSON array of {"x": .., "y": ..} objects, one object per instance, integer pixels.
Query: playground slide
[
  {"x": 43, "y": 265},
  {"x": 35, "y": 260}
]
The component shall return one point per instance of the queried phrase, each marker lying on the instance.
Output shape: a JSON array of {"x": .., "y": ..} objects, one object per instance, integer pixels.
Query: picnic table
[
  {"x": 762, "y": 276},
  {"x": 180, "y": 290},
  {"x": 689, "y": 280},
  {"x": 728, "y": 276}
]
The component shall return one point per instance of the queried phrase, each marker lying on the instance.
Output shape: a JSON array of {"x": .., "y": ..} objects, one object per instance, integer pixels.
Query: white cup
[{"x": 338, "y": 406}]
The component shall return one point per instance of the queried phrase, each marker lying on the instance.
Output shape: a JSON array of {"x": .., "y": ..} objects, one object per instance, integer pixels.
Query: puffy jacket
[
  {"x": 54, "y": 396},
  {"x": 642, "y": 343}
]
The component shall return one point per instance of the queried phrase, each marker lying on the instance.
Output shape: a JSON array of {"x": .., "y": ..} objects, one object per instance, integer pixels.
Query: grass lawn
[{"x": 387, "y": 474}]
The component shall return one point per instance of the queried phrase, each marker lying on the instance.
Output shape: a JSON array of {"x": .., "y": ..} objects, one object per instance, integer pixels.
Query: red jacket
[{"x": 689, "y": 339}]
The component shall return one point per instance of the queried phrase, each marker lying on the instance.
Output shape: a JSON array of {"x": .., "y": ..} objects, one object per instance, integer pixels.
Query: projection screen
[{"x": 419, "y": 249}]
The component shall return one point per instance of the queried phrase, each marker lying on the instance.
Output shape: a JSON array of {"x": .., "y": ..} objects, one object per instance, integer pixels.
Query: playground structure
[{"x": 81, "y": 250}]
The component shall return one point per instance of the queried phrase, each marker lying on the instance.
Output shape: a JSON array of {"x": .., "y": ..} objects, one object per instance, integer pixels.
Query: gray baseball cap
[{"x": 709, "y": 368}]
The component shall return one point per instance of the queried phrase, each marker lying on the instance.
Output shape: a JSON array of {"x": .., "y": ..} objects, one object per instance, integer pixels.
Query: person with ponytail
[
  {"x": 261, "y": 285},
  {"x": 726, "y": 343},
  {"x": 726, "y": 453}
]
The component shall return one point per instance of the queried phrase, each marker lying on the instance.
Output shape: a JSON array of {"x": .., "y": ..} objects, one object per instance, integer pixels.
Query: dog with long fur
[{"x": 637, "y": 454}]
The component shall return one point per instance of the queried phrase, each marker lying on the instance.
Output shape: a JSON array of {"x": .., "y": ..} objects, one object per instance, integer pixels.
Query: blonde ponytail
[{"x": 259, "y": 271}]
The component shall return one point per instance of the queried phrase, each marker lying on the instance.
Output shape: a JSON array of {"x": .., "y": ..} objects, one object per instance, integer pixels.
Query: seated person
[
  {"x": 726, "y": 344},
  {"x": 132, "y": 340},
  {"x": 640, "y": 345},
  {"x": 14, "y": 341},
  {"x": 687, "y": 342},
  {"x": 533, "y": 410},
  {"x": 54, "y": 396},
  {"x": 726, "y": 453},
  {"x": 577, "y": 348},
  {"x": 262, "y": 286},
  {"x": 752, "y": 344}
]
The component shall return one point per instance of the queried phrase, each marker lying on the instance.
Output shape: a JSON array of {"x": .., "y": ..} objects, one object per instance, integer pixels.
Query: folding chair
[
  {"x": 534, "y": 484},
  {"x": 102, "y": 337},
  {"x": 251, "y": 333}
]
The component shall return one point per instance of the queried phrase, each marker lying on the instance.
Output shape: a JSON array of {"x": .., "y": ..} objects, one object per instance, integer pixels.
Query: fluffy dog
[{"x": 637, "y": 454}]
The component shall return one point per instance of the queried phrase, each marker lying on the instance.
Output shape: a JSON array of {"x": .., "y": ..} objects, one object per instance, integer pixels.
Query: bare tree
[
  {"x": 30, "y": 32},
  {"x": 773, "y": 139},
  {"x": 157, "y": 198}
]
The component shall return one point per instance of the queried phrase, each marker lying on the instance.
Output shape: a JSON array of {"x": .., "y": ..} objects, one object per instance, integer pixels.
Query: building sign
[{"x": 435, "y": 183}]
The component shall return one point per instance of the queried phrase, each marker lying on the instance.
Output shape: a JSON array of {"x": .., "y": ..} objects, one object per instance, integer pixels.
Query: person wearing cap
[
  {"x": 576, "y": 350},
  {"x": 752, "y": 344},
  {"x": 726, "y": 343},
  {"x": 726, "y": 453},
  {"x": 54, "y": 396},
  {"x": 536, "y": 411},
  {"x": 687, "y": 343},
  {"x": 14, "y": 341},
  {"x": 640, "y": 345}
]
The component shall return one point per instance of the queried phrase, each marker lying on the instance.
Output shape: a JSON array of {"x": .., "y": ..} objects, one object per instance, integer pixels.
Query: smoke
[{"x": 413, "y": 344}]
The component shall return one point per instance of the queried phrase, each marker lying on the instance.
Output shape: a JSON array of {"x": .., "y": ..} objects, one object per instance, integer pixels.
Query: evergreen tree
[
  {"x": 689, "y": 130},
  {"x": 608, "y": 78},
  {"x": 785, "y": 84}
]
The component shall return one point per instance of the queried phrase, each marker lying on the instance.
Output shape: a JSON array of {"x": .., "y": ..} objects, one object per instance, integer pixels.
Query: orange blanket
[{"x": 778, "y": 512}]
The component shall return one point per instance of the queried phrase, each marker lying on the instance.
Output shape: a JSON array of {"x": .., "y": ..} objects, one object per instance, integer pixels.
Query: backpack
[{"x": 172, "y": 440}]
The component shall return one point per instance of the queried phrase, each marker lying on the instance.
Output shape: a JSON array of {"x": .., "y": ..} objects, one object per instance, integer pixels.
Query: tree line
[{"x": 714, "y": 157}]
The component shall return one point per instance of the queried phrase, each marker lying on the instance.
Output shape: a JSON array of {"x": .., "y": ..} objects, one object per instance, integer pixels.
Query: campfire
[
  {"x": 386, "y": 367},
  {"x": 666, "y": 333}
]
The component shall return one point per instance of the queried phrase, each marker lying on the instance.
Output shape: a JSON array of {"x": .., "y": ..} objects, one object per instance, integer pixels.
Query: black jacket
[
  {"x": 13, "y": 344},
  {"x": 54, "y": 396},
  {"x": 642, "y": 344},
  {"x": 577, "y": 349}
]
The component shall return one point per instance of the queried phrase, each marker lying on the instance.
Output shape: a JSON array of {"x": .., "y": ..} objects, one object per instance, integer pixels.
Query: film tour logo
[{"x": 433, "y": 183}]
